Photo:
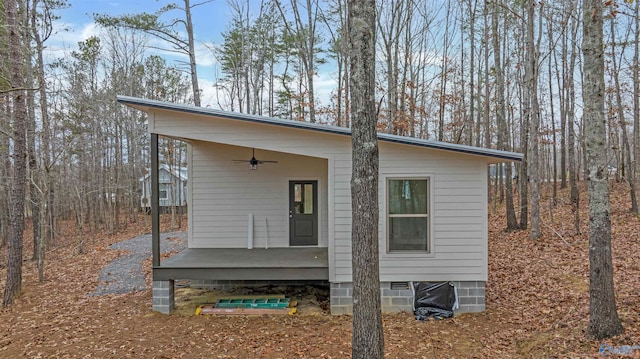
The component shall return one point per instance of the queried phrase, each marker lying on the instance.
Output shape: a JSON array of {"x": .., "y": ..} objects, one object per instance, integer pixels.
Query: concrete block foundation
[
  {"x": 396, "y": 297},
  {"x": 163, "y": 296}
]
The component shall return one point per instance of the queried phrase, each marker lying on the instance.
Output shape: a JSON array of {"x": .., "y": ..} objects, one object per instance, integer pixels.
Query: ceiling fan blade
[{"x": 253, "y": 162}]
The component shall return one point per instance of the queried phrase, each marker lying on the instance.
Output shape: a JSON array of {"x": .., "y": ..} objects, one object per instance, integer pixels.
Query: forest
[{"x": 502, "y": 74}]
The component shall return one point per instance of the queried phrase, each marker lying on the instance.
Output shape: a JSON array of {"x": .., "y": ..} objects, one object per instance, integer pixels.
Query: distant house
[
  {"x": 270, "y": 200},
  {"x": 172, "y": 188}
]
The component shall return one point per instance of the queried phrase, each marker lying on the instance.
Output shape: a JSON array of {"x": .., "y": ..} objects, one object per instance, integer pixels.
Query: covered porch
[{"x": 219, "y": 229}]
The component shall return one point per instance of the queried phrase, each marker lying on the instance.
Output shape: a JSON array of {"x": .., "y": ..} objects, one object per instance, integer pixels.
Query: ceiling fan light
[{"x": 253, "y": 166}]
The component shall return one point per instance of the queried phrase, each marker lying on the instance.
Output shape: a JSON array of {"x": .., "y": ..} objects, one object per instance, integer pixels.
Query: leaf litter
[{"x": 537, "y": 305}]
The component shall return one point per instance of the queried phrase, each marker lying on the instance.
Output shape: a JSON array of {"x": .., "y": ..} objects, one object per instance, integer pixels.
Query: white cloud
[
  {"x": 69, "y": 34},
  {"x": 204, "y": 55},
  {"x": 323, "y": 85},
  {"x": 65, "y": 38},
  {"x": 89, "y": 30},
  {"x": 209, "y": 96}
]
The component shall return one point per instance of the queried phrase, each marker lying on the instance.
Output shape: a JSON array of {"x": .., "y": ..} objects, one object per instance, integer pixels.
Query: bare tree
[
  {"x": 41, "y": 28},
  {"x": 368, "y": 338},
  {"x": 570, "y": 105},
  {"x": 169, "y": 32},
  {"x": 473, "y": 4},
  {"x": 503, "y": 132},
  {"x": 338, "y": 49},
  {"x": 305, "y": 39},
  {"x": 533, "y": 106},
  {"x": 636, "y": 95},
  {"x": 620, "y": 110},
  {"x": 603, "y": 315},
  {"x": 14, "y": 257}
]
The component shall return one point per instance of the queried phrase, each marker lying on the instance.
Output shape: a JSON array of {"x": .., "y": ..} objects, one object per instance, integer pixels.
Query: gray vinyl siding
[
  {"x": 458, "y": 216},
  {"x": 226, "y": 192},
  {"x": 222, "y": 193}
]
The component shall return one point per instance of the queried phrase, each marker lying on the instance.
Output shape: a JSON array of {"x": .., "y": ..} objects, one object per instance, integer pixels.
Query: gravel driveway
[{"x": 125, "y": 274}]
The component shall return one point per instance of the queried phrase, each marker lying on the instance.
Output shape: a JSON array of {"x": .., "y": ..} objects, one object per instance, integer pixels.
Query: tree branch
[{"x": 2, "y": 92}]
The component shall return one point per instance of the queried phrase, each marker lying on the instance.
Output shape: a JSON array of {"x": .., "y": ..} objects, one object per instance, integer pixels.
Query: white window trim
[{"x": 384, "y": 233}]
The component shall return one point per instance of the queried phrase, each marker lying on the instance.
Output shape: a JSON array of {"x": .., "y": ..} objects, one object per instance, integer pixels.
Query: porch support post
[
  {"x": 163, "y": 296},
  {"x": 155, "y": 202}
]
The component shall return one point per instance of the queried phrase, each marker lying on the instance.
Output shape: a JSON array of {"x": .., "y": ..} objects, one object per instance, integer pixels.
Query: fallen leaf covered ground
[{"x": 537, "y": 306}]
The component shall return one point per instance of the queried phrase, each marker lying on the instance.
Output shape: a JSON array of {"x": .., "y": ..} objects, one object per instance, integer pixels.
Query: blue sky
[
  {"x": 209, "y": 20},
  {"x": 213, "y": 14}
]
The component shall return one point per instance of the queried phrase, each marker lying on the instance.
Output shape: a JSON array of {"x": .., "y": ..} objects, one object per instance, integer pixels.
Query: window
[
  {"x": 408, "y": 215},
  {"x": 163, "y": 191}
]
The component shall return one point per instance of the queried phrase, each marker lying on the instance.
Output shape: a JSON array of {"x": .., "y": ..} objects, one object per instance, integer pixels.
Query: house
[
  {"x": 172, "y": 189},
  {"x": 269, "y": 200}
]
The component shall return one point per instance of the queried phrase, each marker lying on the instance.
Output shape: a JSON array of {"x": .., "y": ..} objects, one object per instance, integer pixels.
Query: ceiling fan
[{"x": 253, "y": 162}]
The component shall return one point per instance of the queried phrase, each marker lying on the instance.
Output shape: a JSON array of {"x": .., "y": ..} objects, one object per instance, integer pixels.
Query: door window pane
[
  {"x": 297, "y": 189},
  {"x": 308, "y": 198},
  {"x": 303, "y": 198}
]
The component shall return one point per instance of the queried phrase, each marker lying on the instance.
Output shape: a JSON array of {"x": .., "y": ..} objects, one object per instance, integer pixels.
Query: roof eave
[{"x": 146, "y": 105}]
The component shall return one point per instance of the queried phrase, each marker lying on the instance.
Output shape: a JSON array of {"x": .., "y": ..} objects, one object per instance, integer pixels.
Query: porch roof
[{"x": 148, "y": 105}]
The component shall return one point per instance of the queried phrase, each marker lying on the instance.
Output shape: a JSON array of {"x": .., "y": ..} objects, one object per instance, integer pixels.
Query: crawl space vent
[{"x": 399, "y": 285}]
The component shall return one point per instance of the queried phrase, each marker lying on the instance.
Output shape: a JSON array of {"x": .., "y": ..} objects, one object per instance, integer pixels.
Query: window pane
[
  {"x": 164, "y": 191},
  {"x": 297, "y": 198},
  {"x": 303, "y": 198},
  {"x": 408, "y": 196},
  {"x": 408, "y": 234},
  {"x": 308, "y": 198},
  {"x": 297, "y": 189}
]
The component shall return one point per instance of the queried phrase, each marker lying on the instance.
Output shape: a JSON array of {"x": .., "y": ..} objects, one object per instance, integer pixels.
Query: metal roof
[{"x": 146, "y": 105}]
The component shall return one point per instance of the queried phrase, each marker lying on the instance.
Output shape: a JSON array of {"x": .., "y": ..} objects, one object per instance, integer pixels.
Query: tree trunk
[
  {"x": 368, "y": 337},
  {"x": 192, "y": 54},
  {"x": 47, "y": 216},
  {"x": 33, "y": 173},
  {"x": 603, "y": 316},
  {"x": 626, "y": 162},
  {"x": 472, "y": 71},
  {"x": 14, "y": 256},
  {"x": 486, "y": 112},
  {"x": 534, "y": 121},
  {"x": 503, "y": 132},
  {"x": 562, "y": 84},
  {"x": 554, "y": 139},
  {"x": 443, "y": 79},
  {"x": 636, "y": 98},
  {"x": 570, "y": 103}
]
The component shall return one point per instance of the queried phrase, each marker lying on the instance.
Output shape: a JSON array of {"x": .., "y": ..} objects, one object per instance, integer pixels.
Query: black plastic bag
[
  {"x": 425, "y": 313},
  {"x": 433, "y": 300}
]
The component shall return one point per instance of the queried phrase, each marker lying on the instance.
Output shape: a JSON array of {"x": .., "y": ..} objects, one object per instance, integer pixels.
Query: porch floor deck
[{"x": 290, "y": 263}]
